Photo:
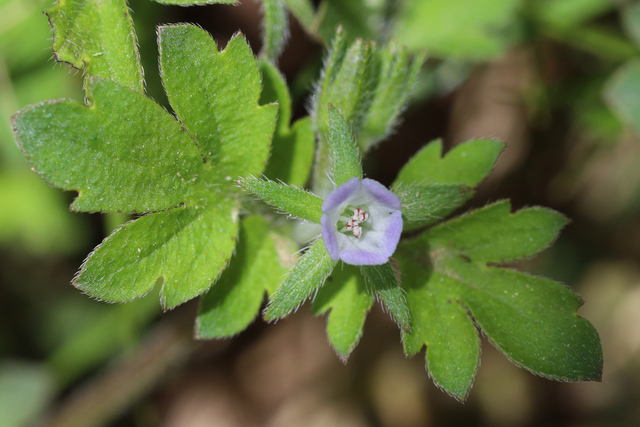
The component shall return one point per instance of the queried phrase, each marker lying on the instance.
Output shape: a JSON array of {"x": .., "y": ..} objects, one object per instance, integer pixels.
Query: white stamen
[
  {"x": 354, "y": 223},
  {"x": 359, "y": 215}
]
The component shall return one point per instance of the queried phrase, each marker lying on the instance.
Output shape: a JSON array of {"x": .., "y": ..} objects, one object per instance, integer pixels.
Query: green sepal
[
  {"x": 309, "y": 273},
  {"x": 99, "y": 37},
  {"x": 215, "y": 95},
  {"x": 183, "y": 249},
  {"x": 345, "y": 158},
  {"x": 467, "y": 163},
  {"x": 383, "y": 281},
  {"x": 345, "y": 294},
  {"x": 122, "y": 153},
  {"x": 293, "y": 200},
  {"x": 261, "y": 259},
  {"x": 293, "y": 146},
  {"x": 423, "y": 204}
]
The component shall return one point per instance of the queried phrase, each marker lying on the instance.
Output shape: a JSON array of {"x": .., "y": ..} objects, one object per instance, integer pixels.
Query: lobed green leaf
[
  {"x": 309, "y": 273},
  {"x": 345, "y": 294},
  {"x": 293, "y": 200},
  {"x": 467, "y": 163},
  {"x": 344, "y": 153},
  {"x": 123, "y": 153},
  {"x": 183, "y": 249},
  {"x": 215, "y": 96},
  {"x": 493, "y": 234},
  {"x": 441, "y": 322},
  {"x": 97, "y": 36},
  {"x": 261, "y": 259},
  {"x": 531, "y": 319}
]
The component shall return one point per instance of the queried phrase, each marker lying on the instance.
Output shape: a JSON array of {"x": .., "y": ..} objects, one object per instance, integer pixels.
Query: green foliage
[
  {"x": 480, "y": 32},
  {"x": 230, "y": 122},
  {"x": 275, "y": 28},
  {"x": 303, "y": 11},
  {"x": 262, "y": 258},
  {"x": 348, "y": 82},
  {"x": 569, "y": 13},
  {"x": 142, "y": 160},
  {"x": 293, "y": 200},
  {"x": 216, "y": 96},
  {"x": 466, "y": 164},
  {"x": 38, "y": 218},
  {"x": 310, "y": 273},
  {"x": 356, "y": 17},
  {"x": 164, "y": 247},
  {"x": 97, "y": 36},
  {"x": 396, "y": 80},
  {"x": 531, "y": 319},
  {"x": 140, "y": 157},
  {"x": 423, "y": 204},
  {"x": 347, "y": 298},
  {"x": 623, "y": 92},
  {"x": 191, "y": 2},
  {"x": 369, "y": 86},
  {"x": 293, "y": 146},
  {"x": 25, "y": 389},
  {"x": 383, "y": 281},
  {"x": 307, "y": 275},
  {"x": 623, "y": 88},
  {"x": 344, "y": 154},
  {"x": 102, "y": 332},
  {"x": 631, "y": 21}
]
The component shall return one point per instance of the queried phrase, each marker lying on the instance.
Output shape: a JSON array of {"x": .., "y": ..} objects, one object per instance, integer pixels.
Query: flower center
[{"x": 353, "y": 224}]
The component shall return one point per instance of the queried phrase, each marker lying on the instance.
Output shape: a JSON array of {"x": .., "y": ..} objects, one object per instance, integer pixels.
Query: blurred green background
[{"x": 557, "y": 80}]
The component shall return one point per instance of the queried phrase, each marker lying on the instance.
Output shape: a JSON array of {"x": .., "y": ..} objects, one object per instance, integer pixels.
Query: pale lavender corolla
[{"x": 361, "y": 222}]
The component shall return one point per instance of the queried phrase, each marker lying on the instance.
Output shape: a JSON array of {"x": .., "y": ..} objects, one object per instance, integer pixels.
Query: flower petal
[
  {"x": 366, "y": 242},
  {"x": 340, "y": 195}
]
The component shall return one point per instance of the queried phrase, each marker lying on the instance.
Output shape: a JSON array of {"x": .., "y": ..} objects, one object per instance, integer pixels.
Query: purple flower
[{"x": 361, "y": 222}]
